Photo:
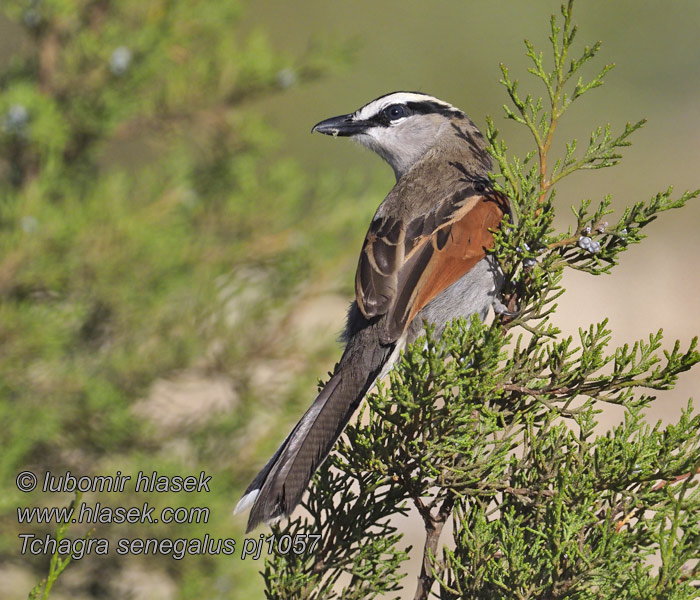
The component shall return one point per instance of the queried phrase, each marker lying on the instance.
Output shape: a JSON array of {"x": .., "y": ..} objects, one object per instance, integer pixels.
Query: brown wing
[{"x": 403, "y": 266}]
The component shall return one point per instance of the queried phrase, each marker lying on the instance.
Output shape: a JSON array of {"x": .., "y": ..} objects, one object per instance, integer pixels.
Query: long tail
[{"x": 278, "y": 488}]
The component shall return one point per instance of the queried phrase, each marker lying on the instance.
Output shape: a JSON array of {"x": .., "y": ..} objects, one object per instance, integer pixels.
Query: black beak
[{"x": 344, "y": 126}]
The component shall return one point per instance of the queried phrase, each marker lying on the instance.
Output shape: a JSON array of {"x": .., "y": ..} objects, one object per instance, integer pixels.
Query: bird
[{"x": 425, "y": 259}]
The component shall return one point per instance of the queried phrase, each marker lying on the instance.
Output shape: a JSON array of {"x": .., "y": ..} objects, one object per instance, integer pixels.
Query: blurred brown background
[{"x": 452, "y": 50}]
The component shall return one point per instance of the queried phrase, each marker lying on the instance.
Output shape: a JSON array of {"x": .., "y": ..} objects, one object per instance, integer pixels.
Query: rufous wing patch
[{"x": 443, "y": 258}]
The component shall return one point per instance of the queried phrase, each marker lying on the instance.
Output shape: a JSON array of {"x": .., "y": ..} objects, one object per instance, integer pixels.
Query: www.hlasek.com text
[{"x": 102, "y": 514}]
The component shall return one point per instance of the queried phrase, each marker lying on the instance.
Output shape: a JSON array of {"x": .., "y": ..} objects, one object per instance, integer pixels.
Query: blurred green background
[{"x": 177, "y": 252}]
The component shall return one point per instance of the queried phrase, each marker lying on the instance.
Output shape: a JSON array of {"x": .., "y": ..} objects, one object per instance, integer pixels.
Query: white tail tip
[{"x": 246, "y": 502}]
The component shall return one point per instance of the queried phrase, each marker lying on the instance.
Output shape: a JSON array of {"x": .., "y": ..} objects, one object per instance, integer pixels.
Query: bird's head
[{"x": 402, "y": 126}]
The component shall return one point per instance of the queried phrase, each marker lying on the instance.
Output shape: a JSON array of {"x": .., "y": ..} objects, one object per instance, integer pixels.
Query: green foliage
[
  {"x": 139, "y": 196},
  {"x": 58, "y": 563},
  {"x": 492, "y": 427}
]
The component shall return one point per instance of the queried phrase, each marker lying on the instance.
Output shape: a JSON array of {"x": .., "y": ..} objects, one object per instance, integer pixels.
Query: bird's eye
[{"x": 395, "y": 111}]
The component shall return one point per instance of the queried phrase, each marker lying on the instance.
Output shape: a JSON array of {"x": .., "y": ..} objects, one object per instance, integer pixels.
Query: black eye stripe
[
  {"x": 383, "y": 119},
  {"x": 427, "y": 107}
]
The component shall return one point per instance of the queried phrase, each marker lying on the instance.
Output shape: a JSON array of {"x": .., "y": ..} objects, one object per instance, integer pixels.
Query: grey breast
[{"x": 473, "y": 293}]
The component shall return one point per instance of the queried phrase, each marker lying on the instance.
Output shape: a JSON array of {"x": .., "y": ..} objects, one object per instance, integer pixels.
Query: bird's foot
[{"x": 501, "y": 309}]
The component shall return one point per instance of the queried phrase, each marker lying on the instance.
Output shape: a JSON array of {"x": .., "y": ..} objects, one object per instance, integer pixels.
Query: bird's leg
[{"x": 501, "y": 309}]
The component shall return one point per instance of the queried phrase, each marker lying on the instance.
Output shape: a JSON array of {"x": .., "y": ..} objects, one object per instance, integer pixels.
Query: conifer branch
[{"x": 493, "y": 426}]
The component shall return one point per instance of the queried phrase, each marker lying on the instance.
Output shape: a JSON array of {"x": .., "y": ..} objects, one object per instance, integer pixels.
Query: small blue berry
[
  {"x": 529, "y": 263},
  {"x": 585, "y": 242},
  {"x": 286, "y": 78},
  {"x": 120, "y": 60},
  {"x": 586, "y": 230},
  {"x": 16, "y": 119},
  {"x": 31, "y": 18},
  {"x": 594, "y": 248}
]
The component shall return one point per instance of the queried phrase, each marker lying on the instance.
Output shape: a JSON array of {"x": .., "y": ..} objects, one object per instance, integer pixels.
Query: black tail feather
[{"x": 278, "y": 488}]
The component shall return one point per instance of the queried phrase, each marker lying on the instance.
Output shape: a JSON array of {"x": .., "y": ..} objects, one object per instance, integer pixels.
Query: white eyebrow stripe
[{"x": 376, "y": 106}]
